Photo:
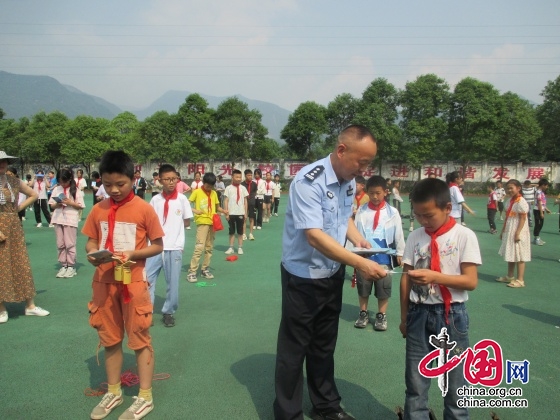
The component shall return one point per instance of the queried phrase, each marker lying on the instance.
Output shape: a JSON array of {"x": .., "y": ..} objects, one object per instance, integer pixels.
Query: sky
[{"x": 284, "y": 51}]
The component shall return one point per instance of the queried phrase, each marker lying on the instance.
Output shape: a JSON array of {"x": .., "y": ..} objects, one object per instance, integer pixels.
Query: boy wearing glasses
[{"x": 174, "y": 213}]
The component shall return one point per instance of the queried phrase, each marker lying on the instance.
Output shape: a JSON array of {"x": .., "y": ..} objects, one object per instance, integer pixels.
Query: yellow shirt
[{"x": 200, "y": 199}]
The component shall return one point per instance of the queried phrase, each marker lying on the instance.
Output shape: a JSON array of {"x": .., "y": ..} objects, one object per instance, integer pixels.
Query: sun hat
[{"x": 10, "y": 159}]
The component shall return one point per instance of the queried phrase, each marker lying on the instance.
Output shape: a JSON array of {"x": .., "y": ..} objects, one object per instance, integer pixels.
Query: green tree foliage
[
  {"x": 160, "y": 139},
  {"x": 44, "y": 138},
  {"x": 340, "y": 113},
  {"x": 473, "y": 120},
  {"x": 305, "y": 130},
  {"x": 378, "y": 112},
  {"x": 548, "y": 115},
  {"x": 517, "y": 130},
  {"x": 125, "y": 132},
  {"x": 424, "y": 111},
  {"x": 195, "y": 123},
  {"x": 236, "y": 127}
]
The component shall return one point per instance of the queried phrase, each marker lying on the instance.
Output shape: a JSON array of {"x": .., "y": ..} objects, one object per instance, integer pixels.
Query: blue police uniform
[{"x": 311, "y": 291}]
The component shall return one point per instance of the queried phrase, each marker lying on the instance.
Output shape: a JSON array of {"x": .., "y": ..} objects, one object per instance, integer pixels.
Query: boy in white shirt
[
  {"x": 440, "y": 264},
  {"x": 235, "y": 202},
  {"x": 500, "y": 194},
  {"x": 276, "y": 194},
  {"x": 269, "y": 187},
  {"x": 174, "y": 213}
]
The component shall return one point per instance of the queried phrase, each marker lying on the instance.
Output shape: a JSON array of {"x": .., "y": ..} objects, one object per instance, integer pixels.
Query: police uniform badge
[
  {"x": 330, "y": 194},
  {"x": 314, "y": 173},
  {"x": 350, "y": 191}
]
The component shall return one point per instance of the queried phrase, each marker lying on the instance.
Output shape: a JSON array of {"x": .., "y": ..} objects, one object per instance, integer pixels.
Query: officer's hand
[
  {"x": 402, "y": 327},
  {"x": 370, "y": 270}
]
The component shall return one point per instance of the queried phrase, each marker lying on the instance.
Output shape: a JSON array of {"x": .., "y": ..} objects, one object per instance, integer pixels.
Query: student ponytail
[{"x": 66, "y": 175}]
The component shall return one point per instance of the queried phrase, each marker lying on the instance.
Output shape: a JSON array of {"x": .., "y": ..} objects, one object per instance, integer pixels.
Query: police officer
[{"x": 313, "y": 267}]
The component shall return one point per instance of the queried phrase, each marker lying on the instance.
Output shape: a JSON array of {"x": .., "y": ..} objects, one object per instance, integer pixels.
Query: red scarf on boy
[
  {"x": 377, "y": 209},
  {"x": 172, "y": 196},
  {"x": 112, "y": 217},
  {"x": 435, "y": 263}
]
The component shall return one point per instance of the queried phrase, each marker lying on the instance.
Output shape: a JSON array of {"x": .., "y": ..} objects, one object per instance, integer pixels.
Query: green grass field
[{"x": 220, "y": 354}]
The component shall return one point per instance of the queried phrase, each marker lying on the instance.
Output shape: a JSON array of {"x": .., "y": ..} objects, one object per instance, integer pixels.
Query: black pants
[
  {"x": 276, "y": 205},
  {"x": 491, "y": 218},
  {"x": 41, "y": 205},
  {"x": 308, "y": 332},
  {"x": 259, "y": 209},
  {"x": 539, "y": 222},
  {"x": 397, "y": 205}
]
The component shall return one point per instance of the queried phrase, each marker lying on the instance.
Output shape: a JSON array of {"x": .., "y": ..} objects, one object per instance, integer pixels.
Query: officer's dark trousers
[{"x": 308, "y": 331}]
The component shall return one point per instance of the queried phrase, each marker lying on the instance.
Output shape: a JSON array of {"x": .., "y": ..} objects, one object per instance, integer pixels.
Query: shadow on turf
[
  {"x": 534, "y": 314},
  {"x": 256, "y": 372},
  {"x": 97, "y": 374}
]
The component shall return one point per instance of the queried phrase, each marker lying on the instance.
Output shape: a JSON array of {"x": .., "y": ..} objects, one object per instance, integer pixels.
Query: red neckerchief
[
  {"x": 377, "y": 209},
  {"x": 435, "y": 263},
  {"x": 172, "y": 196},
  {"x": 267, "y": 186},
  {"x": 453, "y": 184},
  {"x": 513, "y": 200},
  {"x": 65, "y": 191},
  {"x": 39, "y": 180},
  {"x": 249, "y": 186},
  {"x": 79, "y": 179},
  {"x": 209, "y": 194},
  {"x": 238, "y": 193},
  {"x": 112, "y": 217},
  {"x": 359, "y": 197},
  {"x": 197, "y": 184}
]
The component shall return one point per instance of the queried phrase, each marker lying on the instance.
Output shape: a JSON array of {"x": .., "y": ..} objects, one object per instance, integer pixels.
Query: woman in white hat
[{"x": 16, "y": 281}]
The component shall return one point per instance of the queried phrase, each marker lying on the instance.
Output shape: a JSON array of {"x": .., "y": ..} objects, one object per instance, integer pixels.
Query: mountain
[
  {"x": 25, "y": 96},
  {"x": 273, "y": 117}
]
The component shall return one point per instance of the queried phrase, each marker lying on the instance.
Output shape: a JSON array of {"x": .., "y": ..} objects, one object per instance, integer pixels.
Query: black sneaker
[
  {"x": 330, "y": 414},
  {"x": 168, "y": 320}
]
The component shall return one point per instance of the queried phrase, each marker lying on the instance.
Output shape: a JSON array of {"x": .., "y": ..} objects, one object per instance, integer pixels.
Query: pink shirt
[
  {"x": 68, "y": 216},
  {"x": 182, "y": 187}
]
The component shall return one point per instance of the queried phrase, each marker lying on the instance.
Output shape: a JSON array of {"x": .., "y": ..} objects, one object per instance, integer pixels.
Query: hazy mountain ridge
[{"x": 25, "y": 96}]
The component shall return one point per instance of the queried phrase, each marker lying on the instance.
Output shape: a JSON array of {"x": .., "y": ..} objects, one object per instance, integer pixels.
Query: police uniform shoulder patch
[{"x": 314, "y": 173}]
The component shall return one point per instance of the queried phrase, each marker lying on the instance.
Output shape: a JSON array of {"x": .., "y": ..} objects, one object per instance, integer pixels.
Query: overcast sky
[{"x": 283, "y": 51}]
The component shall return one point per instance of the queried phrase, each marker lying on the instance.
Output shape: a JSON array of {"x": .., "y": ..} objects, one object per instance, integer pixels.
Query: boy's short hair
[
  {"x": 431, "y": 189},
  {"x": 235, "y": 172},
  {"x": 155, "y": 173},
  {"x": 527, "y": 182},
  {"x": 209, "y": 178},
  {"x": 248, "y": 171},
  {"x": 166, "y": 167},
  {"x": 116, "y": 161},
  {"x": 359, "y": 180},
  {"x": 376, "y": 181},
  {"x": 543, "y": 181},
  {"x": 259, "y": 172}
]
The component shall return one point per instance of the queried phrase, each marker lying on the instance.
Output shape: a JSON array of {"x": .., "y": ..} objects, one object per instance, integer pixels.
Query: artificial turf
[{"x": 220, "y": 354}]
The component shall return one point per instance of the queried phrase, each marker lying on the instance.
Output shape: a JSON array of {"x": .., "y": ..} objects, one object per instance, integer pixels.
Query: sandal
[
  {"x": 516, "y": 283},
  {"x": 505, "y": 279}
]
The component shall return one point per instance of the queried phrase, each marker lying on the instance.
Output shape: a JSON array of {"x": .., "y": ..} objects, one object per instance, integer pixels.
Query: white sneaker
[
  {"x": 188, "y": 228},
  {"x": 51, "y": 225},
  {"x": 259, "y": 228},
  {"x": 240, "y": 251},
  {"x": 3, "y": 317},
  {"x": 23, "y": 219},
  {"x": 191, "y": 278},
  {"x": 36, "y": 311},
  {"x": 139, "y": 409},
  {"x": 244, "y": 237},
  {"x": 251, "y": 237},
  {"x": 229, "y": 251},
  {"x": 39, "y": 225},
  {"x": 410, "y": 229},
  {"x": 275, "y": 214},
  {"x": 62, "y": 272},
  {"x": 70, "y": 272},
  {"x": 106, "y": 405},
  {"x": 463, "y": 224}
]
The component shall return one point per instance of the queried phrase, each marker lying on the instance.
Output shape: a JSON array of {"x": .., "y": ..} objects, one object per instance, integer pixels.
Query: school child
[
  {"x": 235, "y": 201},
  {"x": 155, "y": 184},
  {"x": 381, "y": 225},
  {"x": 501, "y": 194},
  {"x": 40, "y": 187},
  {"x": 122, "y": 224},
  {"x": 204, "y": 202},
  {"x": 457, "y": 200},
  {"x": 220, "y": 188},
  {"x": 529, "y": 192},
  {"x": 259, "y": 198},
  {"x": 269, "y": 186},
  {"x": 397, "y": 199},
  {"x": 95, "y": 186},
  {"x": 174, "y": 213},
  {"x": 492, "y": 208},
  {"x": 182, "y": 186},
  {"x": 251, "y": 187},
  {"x": 81, "y": 183},
  {"x": 515, "y": 236},
  {"x": 65, "y": 218},
  {"x": 389, "y": 190},
  {"x": 197, "y": 183},
  {"x": 440, "y": 262},
  {"x": 540, "y": 210},
  {"x": 276, "y": 195},
  {"x": 51, "y": 183},
  {"x": 360, "y": 198}
]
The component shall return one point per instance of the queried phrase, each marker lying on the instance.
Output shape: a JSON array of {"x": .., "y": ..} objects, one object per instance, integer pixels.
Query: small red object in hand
[{"x": 354, "y": 278}]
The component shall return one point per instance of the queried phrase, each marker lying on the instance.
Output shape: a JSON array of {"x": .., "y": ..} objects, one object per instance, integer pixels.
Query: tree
[
  {"x": 548, "y": 115},
  {"x": 195, "y": 121},
  {"x": 424, "y": 111},
  {"x": 159, "y": 139},
  {"x": 85, "y": 143},
  {"x": 340, "y": 113},
  {"x": 473, "y": 120},
  {"x": 378, "y": 112},
  {"x": 265, "y": 149},
  {"x": 124, "y": 130},
  {"x": 305, "y": 130},
  {"x": 236, "y": 128},
  {"x": 44, "y": 138},
  {"x": 517, "y": 130}
]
